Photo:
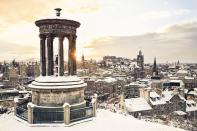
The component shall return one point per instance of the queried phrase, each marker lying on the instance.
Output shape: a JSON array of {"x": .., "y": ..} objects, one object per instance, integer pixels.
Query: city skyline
[
  {"x": 83, "y": 64},
  {"x": 165, "y": 29}
]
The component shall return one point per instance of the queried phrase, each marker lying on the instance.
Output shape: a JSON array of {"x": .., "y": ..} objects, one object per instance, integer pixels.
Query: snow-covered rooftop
[
  {"x": 133, "y": 84},
  {"x": 153, "y": 94},
  {"x": 137, "y": 104},
  {"x": 182, "y": 72},
  {"x": 105, "y": 121},
  {"x": 9, "y": 91},
  {"x": 164, "y": 98},
  {"x": 107, "y": 79}
]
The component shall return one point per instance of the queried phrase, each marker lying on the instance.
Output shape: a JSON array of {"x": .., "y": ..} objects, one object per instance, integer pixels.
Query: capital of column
[
  {"x": 42, "y": 36},
  {"x": 61, "y": 37},
  {"x": 50, "y": 36},
  {"x": 72, "y": 37}
]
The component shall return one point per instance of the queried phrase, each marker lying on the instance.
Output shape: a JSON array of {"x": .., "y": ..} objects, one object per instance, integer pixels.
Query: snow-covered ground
[{"x": 105, "y": 121}]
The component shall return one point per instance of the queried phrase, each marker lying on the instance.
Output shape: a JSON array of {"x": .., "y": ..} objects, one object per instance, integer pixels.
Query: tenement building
[{"x": 56, "y": 97}]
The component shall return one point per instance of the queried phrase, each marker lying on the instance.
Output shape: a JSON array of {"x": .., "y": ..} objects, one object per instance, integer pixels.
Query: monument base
[{"x": 55, "y": 91}]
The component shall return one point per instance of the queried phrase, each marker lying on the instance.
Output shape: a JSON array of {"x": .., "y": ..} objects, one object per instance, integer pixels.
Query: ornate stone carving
[{"x": 57, "y": 29}]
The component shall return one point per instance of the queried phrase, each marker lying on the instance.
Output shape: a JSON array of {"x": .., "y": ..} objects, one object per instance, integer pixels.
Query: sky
[{"x": 166, "y": 29}]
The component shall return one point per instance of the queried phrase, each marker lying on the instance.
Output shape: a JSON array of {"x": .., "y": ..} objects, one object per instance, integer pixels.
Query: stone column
[
  {"x": 50, "y": 62},
  {"x": 42, "y": 55},
  {"x": 66, "y": 107},
  {"x": 74, "y": 56},
  {"x": 72, "y": 66},
  {"x": 61, "y": 56},
  {"x": 69, "y": 54}
]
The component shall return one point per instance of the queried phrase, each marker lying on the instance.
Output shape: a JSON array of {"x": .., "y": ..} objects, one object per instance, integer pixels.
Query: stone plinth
[
  {"x": 66, "y": 107},
  {"x": 55, "y": 91}
]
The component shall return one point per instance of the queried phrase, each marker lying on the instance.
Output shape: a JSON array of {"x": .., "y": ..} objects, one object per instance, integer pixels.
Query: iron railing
[
  {"x": 81, "y": 113},
  {"x": 21, "y": 109},
  {"x": 48, "y": 115},
  {"x": 53, "y": 115},
  {"x": 22, "y": 112}
]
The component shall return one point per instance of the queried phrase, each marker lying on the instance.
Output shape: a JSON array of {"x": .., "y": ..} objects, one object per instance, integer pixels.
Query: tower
[
  {"x": 140, "y": 60},
  {"x": 82, "y": 58},
  {"x": 82, "y": 61},
  {"x": 140, "y": 63},
  {"x": 154, "y": 69}
]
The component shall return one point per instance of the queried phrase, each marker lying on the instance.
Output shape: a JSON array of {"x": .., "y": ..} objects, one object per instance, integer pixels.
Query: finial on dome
[{"x": 58, "y": 11}]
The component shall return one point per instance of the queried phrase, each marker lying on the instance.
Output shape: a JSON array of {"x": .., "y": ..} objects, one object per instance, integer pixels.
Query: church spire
[
  {"x": 140, "y": 52},
  {"x": 154, "y": 71},
  {"x": 82, "y": 57}
]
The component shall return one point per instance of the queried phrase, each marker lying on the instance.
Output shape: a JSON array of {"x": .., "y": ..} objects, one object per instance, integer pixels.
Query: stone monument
[{"x": 57, "y": 97}]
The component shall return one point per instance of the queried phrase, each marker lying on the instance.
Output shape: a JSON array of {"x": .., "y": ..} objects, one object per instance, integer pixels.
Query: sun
[{"x": 79, "y": 50}]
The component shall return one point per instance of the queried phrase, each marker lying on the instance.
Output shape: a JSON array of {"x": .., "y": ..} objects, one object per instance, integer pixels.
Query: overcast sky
[{"x": 166, "y": 29}]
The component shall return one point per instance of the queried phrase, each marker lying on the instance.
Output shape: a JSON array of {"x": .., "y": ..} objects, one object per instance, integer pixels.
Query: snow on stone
[
  {"x": 191, "y": 93},
  {"x": 110, "y": 79},
  {"x": 189, "y": 78},
  {"x": 137, "y": 104},
  {"x": 53, "y": 82},
  {"x": 105, "y": 121},
  {"x": 180, "y": 113},
  {"x": 57, "y": 79},
  {"x": 107, "y": 79},
  {"x": 153, "y": 94}
]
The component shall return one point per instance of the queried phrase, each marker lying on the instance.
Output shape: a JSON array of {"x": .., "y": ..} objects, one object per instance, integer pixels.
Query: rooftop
[{"x": 137, "y": 104}]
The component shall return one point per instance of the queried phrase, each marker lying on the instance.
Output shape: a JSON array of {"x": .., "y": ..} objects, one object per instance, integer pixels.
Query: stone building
[
  {"x": 167, "y": 102},
  {"x": 172, "y": 84},
  {"x": 190, "y": 82},
  {"x": 107, "y": 88},
  {"x": 191, "y": 109},
  {"x": 13, "y": 75},
  {"x": 33, "y": 69},
  {"x": 132, "y": 90},
  {"x": 23, "y": 69}
]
